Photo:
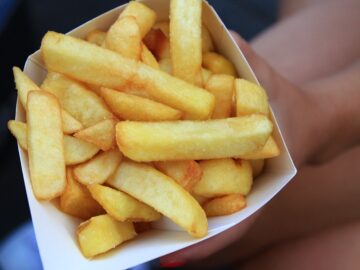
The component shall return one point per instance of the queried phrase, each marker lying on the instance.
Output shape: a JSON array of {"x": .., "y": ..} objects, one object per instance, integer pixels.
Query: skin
[{"x": 320, "y": 120}]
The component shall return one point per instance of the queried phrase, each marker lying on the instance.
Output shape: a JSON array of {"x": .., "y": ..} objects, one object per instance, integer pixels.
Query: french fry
[
  {"x": 270, "y": 150},
  {"x": 135, "y": 92},
  {"x": 250, "y": 98},
  {"x": 207, "y": 43},
  {"x": 19, "y": 131},
  {"x": 96, "y": 37},
  {"x": 102, "y": 134},
  {"x": 222, "y": 87},
  {"x": 124, "y": 37},
  {"x": 78, "y": 151},
  {"x": 121, "y": 206},
  {"x": 148, "y": 58},
  {"x": 165, "y": 65},
  {"x": 226, "y": 205},
  {"x": 257, "y": 166},
  {"x": 218, "y": 64},
  {"x": 91, "y": 64},
  {"x": 76, "y": 99},
  {"x": 200, "y": 199},
  {"x": 192, "y": 140},
  {"x": 158, "y": 44},
  {"x": 45, "y": 145},
  {"x": 185, "y": 39},
  {"x": 130, "y": 107},
  {"x": 69, "y": 124},
  {"x": 103, "y": 233},
  {"x": 186, "y": 173},
  {"x": 145, "y": 17},
  {"x": 98, "y": 169},
  {"x": 223, "y": 177},
  {"x": 159, "y": 191},
  {"x": 206, "y": 74},
  {"x": 77, "y": 201}
]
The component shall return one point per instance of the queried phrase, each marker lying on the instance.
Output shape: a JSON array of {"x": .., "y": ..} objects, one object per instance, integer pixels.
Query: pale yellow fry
[
  {"x": 222, "y": 87},
  {"x": 124, "y": 37},
  {"x": 121, "y": 206},
  {"x": 130, "y": 107},
  {"x": 70, "y": 124},
  {"x": 45, "y": 145},
  {"x": 103, "y": 233},
  {"x": 270, "y": 150},
  {"x": 158, "y": 44},
  {"x": 148, "y": 58},
  {"x": 23, "y": 85},
  {"x": 159, "y": 191},
  {"x": 102, "y": 134},
  {"x": 196, "y": 140},
  {"x": 165, "y": 65},
  {"x": 257, "y": 166},
  {"x": 78, "y": 151},
  {"x": 77, "y": 201},
  {"x": 144, "y": 16},
  {"x": 226, "y": 205},
  {"x": 96, "y": 37},
  {"x": 206, "y": 74},
  {"x": 207, "y": 43},
  {"x": 92, "y": 64},
  {"x": 76, "y": 99},
  {"x": 185, "y": 38},
  {"x": 224, "y": 176},
  {"x": 98, "y": 169},
  {"x": 19, "y": 131},
  {"x": 135, "y": 92},
  {"x": 218, "y": 64}
]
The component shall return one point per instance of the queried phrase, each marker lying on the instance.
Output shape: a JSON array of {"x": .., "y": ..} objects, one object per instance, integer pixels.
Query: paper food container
[{"x": 56, "y": 231}]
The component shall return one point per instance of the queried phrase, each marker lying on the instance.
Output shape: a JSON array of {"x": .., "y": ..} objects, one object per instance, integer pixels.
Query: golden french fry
[
  {"x": 192, "y": 140},
  {"x": 158, "y": 44},
  {"x": 257, "y": 166},
  {"x": 226, "y": 205},
  {"x": 19, "y": 131},
  {"x": 222, "y": 177},
  {"x": 45, "y": 145},
  {"x": 78, "y": 151},
  {"x": 135, "y": 92},
  {"x": 222, "y": 87},
  {"x": 186, "y": 172},
  {"x": 148, "y": 58},
  {"x": 92, "y": 64},
  {"x": 84, "y": 105},
  {"x": 207, "y": 43},
  {"x": 270, "y": 150},
  {"x": 130, "y": 107},
  {"x": 103, "y": 233},
  {"x": 206, "y": 74},
  {"x": 145, "y": 17},
  {"x": 121, "y": 206},
  {"x": 98, "y": 169},
  {"x": 218, "y": 64},
  {"x": 96, "y": 37},
  {"x": 159, "y": 191},
  {"x": 185, "y": 39},
  {"x": 23, "y": 85},
  {"x": 102, "y": 134},
  {"x": 124, "y": 37},
  {"x": 70, "y": 124},
  {"x": 165, "y": 65},
  {"x": 250, "y": 98},
  {"x": 77, "y": 201}
]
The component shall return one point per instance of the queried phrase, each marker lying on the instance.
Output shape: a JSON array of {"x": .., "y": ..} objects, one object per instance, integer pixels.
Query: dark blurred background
[{"x": 22, "y": 25}]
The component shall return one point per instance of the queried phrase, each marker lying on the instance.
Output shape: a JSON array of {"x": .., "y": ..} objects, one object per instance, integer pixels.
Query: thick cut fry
[
  {"x": 19, "y": 131},
  {"x": 193, "y": 140},
  {"x": 121, "y": 206},
  {"x": 135, "y": 92},
  {"x": 250, "y": 98},
  {"x": 78, "y": 151},
  {"x": 206, "y": 74},
  {"x": 145, "y": 17},
  {"x": 96, "y": 37},
  {"x": 257, "y": 166},
  {"x": 165, "y": 65},
  {"x": 124, "y": 37},
  {"x": 158, "y": 44},
  {"x": 207, "y": 43},
  {"x": 226, "y": 205},
  {"x": 103, "y": 233},
  {"x": 89, "y": 63},
  {"x": 224, "y": 176},
  {"x": 45, "y": 145},
  {"x": 80, "y": 102},
  {"x": 187, "y": 172},
  {"x": 130, "y": 107},
  {"x": 23, "y": 85},
  {"x": 101, "y": 134},
  {"x": 148, "y": 58},
  {"x": 77, "y": 201},
  {"x": 222, "y": 87},
  {"x": 185, "y": 39},
  {"x": 98, "y": 169},
  {"x": 150, "y": 186},
  {"x": 270, "y": 150},
  {"x": 218, "y": 64},
  {"x": 70, "y": 124}
]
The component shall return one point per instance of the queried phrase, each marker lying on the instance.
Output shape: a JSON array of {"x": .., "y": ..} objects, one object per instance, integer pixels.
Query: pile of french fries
[{"x": 142, "y": 121}]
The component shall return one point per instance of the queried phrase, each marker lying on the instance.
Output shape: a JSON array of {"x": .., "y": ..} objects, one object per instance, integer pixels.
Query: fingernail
[{"x": 173, "y": 264}]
